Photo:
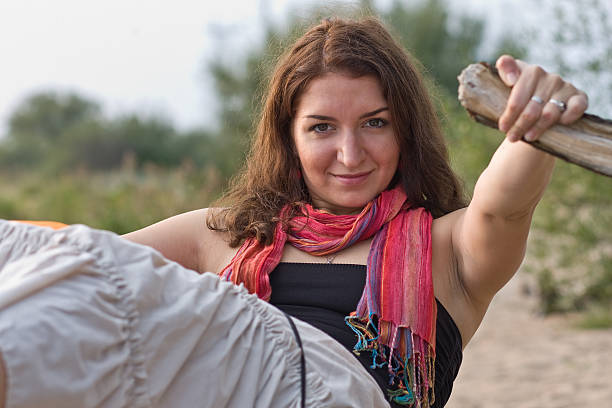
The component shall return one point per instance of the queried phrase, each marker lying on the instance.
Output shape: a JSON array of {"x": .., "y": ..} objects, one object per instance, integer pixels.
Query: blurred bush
[
  {"x": 60, "y": 132},
  {"x": 120, "y": 200}
]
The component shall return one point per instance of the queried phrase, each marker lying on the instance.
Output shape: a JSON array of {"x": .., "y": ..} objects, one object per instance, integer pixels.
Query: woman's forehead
[{"x": 341, "y": 92}]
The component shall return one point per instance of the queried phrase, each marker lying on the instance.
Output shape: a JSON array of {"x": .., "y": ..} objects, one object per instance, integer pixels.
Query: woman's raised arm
[{"x": 489, "y": 237}]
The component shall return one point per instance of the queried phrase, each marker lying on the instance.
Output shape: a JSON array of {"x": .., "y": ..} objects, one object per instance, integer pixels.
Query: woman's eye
[
  {"x": 321, "y": 127},
  {"x": 376, "y": 123}
]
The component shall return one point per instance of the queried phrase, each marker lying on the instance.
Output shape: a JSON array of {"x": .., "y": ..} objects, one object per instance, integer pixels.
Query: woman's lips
[{"x": 352, "y": 179}]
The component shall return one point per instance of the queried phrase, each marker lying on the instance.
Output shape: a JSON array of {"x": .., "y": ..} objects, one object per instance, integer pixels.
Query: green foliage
[
  {"x": 471, "y": 145},
  {"x": 424, "y": 30},
  {"x": 550, "y": 296},
  {"x": 597, "y": 318},
  {"x": 578, "y": 46},
  {"x": 61, "y": 132},
  {"x": 39, "y": 123},
  {"x": 574, "y": 234},
  {"x": 121, "y": 201},
  {"x": 44, "y": 117}
]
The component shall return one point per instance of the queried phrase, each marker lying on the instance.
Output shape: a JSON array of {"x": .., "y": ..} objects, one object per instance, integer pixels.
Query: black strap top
[{"x": 323, "y": 294}]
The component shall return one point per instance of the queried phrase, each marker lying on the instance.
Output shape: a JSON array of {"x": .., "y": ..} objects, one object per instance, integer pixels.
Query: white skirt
[{"x": 88, "y": 319}]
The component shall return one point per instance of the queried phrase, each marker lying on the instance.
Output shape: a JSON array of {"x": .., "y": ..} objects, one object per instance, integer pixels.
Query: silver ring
[
  {"x": 537, "y": 99},
  {"x": 560, "y": 104}
]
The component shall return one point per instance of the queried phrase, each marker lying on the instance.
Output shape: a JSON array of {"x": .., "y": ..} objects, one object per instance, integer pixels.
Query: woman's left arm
[{"x": 489, "y": 237}]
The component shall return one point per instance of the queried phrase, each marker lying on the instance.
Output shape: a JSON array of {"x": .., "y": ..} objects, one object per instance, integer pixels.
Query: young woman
[{"x": 348, "y": 218}]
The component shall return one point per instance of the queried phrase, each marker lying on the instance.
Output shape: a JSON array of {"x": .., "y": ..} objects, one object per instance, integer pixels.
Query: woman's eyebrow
[
  {"x": 365, "y": 115},
  {"x": 320, "y": 117},
  {"x": 374, "y": 112}
]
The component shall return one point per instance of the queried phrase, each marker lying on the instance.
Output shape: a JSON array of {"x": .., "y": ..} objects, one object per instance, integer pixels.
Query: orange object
[{"x": 51, "y": 224}]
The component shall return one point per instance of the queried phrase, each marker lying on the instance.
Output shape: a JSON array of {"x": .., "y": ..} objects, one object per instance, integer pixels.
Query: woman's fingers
[
  {"x": 508, "y": 68},
  {"x": 577, "y": 104},
  {"x": 527, "y": 119},
  {"x": 550, "y": 115},
  {"x": 537, "y": 100},
  {"x": 557, "y": 110},
  {"x": 521, "y": 111}
]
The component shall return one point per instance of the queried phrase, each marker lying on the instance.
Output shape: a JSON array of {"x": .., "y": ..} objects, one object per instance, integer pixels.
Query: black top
[{"x": 323, "y": 294}]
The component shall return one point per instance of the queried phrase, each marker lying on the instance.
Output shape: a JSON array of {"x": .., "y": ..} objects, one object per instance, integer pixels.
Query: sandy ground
[{"x": 521, "y": 360}]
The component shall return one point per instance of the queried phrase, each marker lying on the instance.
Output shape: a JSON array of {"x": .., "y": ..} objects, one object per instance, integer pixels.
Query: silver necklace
[{"x": 330, "y": 258}]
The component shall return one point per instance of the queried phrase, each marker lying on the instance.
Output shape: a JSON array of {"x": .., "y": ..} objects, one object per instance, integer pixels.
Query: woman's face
[{"x": 345, "y": 142}]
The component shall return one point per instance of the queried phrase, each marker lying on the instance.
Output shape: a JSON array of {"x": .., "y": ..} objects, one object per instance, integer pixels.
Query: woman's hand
[{"x": 537, "y": 101}]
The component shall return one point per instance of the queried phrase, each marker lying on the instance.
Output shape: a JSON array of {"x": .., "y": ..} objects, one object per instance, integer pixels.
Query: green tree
[
  {"x": 38, "y": 123},
  {"x": 104, "y": 144},
  {"x": 424, "y": 30},
  {"x": 45, "y": 116},
  {"x": 59, "y": 132}
]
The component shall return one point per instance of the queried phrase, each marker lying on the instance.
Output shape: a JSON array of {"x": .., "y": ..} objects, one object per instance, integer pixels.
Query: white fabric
[{"x": 88, "y": 319}]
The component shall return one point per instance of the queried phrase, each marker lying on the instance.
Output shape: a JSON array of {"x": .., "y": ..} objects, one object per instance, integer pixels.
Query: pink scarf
[{"x": 395, "y": 318}]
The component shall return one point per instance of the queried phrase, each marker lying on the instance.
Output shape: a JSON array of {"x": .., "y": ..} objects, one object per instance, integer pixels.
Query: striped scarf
[{"x": 395, "y": 318}]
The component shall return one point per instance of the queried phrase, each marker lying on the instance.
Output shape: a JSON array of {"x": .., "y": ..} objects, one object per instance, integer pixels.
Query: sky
[
  {"x": 143, "y": 56},
  {"x": 131, "y": 55}
]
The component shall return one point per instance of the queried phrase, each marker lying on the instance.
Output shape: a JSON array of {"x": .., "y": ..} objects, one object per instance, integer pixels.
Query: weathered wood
[{"x": 587, "y": 142}]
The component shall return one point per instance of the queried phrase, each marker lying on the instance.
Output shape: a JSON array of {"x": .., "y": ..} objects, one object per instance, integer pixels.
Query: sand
[{"x": 519, "y": 359}]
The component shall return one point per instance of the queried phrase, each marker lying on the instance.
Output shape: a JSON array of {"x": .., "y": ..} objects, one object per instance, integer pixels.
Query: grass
[
  {"x": 596, "y": 318},
  {"x": 119, "y": 201}
]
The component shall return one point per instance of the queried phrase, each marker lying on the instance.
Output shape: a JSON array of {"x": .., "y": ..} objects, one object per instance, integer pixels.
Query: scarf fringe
[{"x": 411, "y": 379}]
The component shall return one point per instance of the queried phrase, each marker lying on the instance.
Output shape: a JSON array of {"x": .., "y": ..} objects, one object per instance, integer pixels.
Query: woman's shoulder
[
  {"x": 187, "y": 239},
  {"x": 215, "y": 251}
]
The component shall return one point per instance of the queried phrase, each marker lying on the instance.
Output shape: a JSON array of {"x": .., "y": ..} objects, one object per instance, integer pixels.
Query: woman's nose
[{"x": 350, "y": 152}]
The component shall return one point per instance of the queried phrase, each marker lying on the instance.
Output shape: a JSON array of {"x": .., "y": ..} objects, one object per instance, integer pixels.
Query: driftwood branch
[{"x": 587, "y": 143}]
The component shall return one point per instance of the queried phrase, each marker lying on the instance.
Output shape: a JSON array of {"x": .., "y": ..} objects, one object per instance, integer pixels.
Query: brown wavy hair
[{"x": 269, "y": 179}]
